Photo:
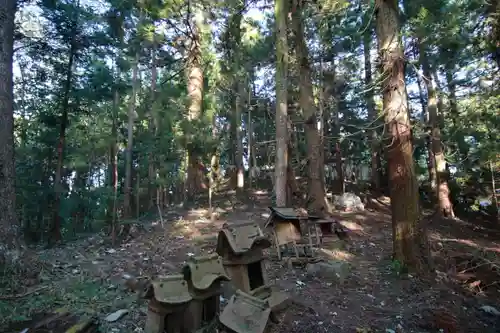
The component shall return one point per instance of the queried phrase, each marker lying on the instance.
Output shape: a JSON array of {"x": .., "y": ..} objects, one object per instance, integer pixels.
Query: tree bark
[
  {"x": 194, "y": 179},
  {"x": 55, "y": 232},
  {"x": 250, "y": 155},
  {"x": 153, "y": 128},
  {"x": 238, "y": 88},
  {"x": 454, "y": 112},
  {"x": 452, "y": 95},
  {"x": 493, "y": 11},
  {"x": 9, "y": 228},
  {"x": 317, "y": 201},
  {"x": 214, "y": 174},
  {"x": 410, "y": 243},
  {"x": 127, "y": 209},
  {"x": 442, "y": 191},
  {"x": 430, "y": 154},
  {"x": 421, "y": 99},
  {"x": 440, "y": 105},
  {"x": 321, "y": 127},
  {"x": 240, "y": 171},
  {"x": 113, "y": 157},
  {"x": 281, "y": 165},
  {"x": 332, "y": 98},
  {"x": 339, "y": 166},
  {"x": 329, "y": 112},
  {"x": 372, "y": 112},
  {"x": 113, "y": 149},
  {"x": 494, "y": 199}
]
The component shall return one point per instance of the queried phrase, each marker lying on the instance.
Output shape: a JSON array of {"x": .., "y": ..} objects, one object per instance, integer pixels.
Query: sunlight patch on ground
[
  {"x": 468, "y": 242},
  {"x": 461, "y": 241},
  {"x": 352, "y": 225},
  {"x": 204, "y": 215},
  {"x": 196, "y": 229},
  {"x": 200, "y": 212},
  {"x": 493, "y": 249},
  {"x": 336, "y": 254},
  {"x": 360, "y": 217},
  {"x": 185, "y": 229},
  {"x": 200, "y": 240},
  {"x": 260, "y": 192}
]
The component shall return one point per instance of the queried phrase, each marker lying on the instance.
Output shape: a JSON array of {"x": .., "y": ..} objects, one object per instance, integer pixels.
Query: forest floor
[{"x": 86, "y": 277}]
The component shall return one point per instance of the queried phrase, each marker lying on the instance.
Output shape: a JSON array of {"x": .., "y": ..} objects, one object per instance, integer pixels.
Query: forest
[{"x": 123, "y": 123}]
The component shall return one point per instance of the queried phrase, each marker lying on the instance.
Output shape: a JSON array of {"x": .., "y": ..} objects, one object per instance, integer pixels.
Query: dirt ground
[{"x": 86, "y": 277}]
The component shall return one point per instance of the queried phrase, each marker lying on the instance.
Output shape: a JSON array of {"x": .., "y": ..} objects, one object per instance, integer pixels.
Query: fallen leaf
[
  {"x": 490, "y": 310},
  {"x": 116, "y": 315},
  {"x": 362, "y": 330}
]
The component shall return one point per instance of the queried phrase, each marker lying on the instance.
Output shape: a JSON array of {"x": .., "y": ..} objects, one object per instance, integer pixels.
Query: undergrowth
[{"x": 82, "y": 297}]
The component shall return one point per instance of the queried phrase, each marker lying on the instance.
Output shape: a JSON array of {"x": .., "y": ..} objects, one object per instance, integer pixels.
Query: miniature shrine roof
[
  {"x": 289, "y": 213},
  {"x": 204, "y": 271},
  {"x": 241, "y": 237},
  {"x": 170, "y": 289},
  {"x": 246, "y": 313}
]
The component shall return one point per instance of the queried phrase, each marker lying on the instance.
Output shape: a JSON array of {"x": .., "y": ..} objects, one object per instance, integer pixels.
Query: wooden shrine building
[{"x": 241, "y": 247}]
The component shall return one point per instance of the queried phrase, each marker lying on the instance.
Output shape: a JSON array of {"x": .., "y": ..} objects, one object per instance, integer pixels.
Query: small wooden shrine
[
  {"x": 245, "y": 313},
  {"x": 241, "y": 246},
  {"x": 296, "y": 232},
  {"x": 204, "y": 276},
  {"x": 277, "y": 299},
  {"x": 169, "y": 297}
]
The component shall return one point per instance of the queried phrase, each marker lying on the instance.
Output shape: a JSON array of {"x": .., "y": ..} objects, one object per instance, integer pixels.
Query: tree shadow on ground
[{"x": 469, "y": 255}]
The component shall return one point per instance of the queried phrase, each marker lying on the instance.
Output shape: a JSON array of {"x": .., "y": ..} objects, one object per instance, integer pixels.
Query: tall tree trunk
[
  {"x": 493, "y": 11},
  {"x": 317, "y": 201},
  {"x": 494, "y": 199},
  {"x": 238, "y": 88},
  {"x": 281, "y": 165},
  {"x": 55, "y": 232},
  {"x": 332, "y": 98},
  {"x": 113, "y": 157},
  {"x": 24, "y": 112},
  {"x": 9, "y": 228},
  {"x": 151, "y": 170},
  {"x": 138, "y": 190},
  {"x": 441, "y": 188},
  {"x": 214, "y": 167},
  {"x": 252, "y": 92},
  {"x": 328, "y": 130},
  {"x": 410, "y": 243},
  {"x": 430, "y": 154},
  {"x": 240, "y": 175},
  {"x": 452, "y": 95},
  {"x": 23, "y": 220},
  {"x": 454, "y": 112},
  {"x": 440, "y": 105},
  {"x": 293, "y": 189},
  {"x": 321, "y": 127},
  {"x": 372, "y": 113},
  {"x": 250, "y": 156},
  {"x": 194, "y": 164},
  {"x": 339, "y": 186},
  {"x": 153, "y": 127},
  {"x": 421, "y": 99},
  {"x": 127, "y": 209}
]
